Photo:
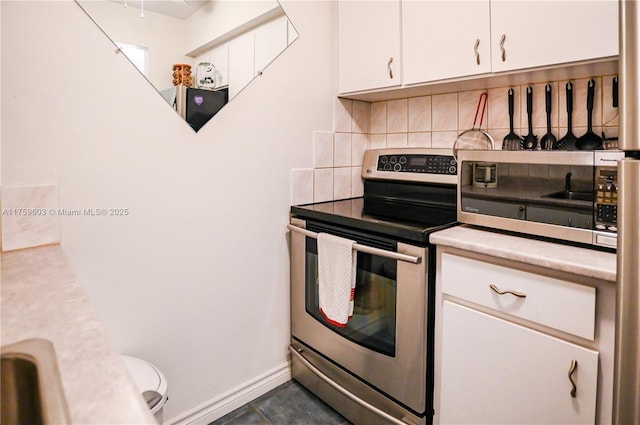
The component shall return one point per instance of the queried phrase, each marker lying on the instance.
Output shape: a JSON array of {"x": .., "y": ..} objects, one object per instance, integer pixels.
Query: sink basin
[
  {"x": 31, "y": 386},
  {"x": 575, "y": 196}
]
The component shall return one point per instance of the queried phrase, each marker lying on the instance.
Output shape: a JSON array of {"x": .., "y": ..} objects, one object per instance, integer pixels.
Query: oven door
[{"x": 385, "y": 342}]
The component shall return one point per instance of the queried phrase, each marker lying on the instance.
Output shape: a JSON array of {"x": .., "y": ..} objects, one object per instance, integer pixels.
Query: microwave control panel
[{"x": 606, "y": 190}]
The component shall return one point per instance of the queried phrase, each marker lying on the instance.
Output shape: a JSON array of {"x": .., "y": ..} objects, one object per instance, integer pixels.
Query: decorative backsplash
[
  {"x": 29, "y": 216},
  {"x": 435, "y": 121}
]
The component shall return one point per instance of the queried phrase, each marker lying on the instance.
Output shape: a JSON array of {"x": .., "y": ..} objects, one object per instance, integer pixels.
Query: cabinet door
[
  {"x": 271, "y": 40},
  {"x": 540, "y": 33},
  {"x": 439, "y": 39},
  {"x": 368, "y": 44},
  {"x": 497, "y": 372},
  {"x": 241, "y": 63}
]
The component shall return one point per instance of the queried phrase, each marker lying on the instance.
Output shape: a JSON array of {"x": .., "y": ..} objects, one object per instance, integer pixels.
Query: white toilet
[{"x": 151, "y": 383}]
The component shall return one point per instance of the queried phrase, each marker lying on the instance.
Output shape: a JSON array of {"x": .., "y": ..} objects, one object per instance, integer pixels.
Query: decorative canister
[{"x": 206, "y": 76}]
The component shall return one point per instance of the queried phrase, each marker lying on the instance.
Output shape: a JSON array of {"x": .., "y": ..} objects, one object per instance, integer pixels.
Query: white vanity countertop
[
  {"x": 41, "y": 298},
  {"x": 581, "y": 261}
]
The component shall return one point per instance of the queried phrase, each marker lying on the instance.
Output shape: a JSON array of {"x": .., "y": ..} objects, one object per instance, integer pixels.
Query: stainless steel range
[{"x": 379, "y": 367}]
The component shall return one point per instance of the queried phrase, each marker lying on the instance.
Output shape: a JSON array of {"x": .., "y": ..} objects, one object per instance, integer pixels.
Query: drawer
[{"x": 556, "y": 303}]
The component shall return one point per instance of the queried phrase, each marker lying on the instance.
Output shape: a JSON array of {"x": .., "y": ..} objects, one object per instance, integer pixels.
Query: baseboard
[{"x": 217, "y": 407}]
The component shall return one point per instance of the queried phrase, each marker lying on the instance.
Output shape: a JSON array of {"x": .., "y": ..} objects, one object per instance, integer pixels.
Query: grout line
[{"x": 260, "y": 413}]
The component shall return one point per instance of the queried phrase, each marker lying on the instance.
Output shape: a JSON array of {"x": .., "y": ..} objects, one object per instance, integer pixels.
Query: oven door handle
[
  {"x": 345, "y": 392},
  {"x": 364, "y": 248}
]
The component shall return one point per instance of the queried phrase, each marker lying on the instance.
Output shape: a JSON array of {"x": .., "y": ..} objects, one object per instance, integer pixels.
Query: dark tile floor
[{"x": 288, "y": 404}]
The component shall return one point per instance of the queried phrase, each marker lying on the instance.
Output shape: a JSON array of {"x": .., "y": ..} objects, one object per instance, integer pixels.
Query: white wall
[
  {"x": 195, "y": 278},
  {"x": 164, "y": 36}
]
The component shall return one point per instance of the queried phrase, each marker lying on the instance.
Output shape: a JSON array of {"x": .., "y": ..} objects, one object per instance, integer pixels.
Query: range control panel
[
  {"x": 422, "y": 165},
  {"x": 418, "y": 163}
]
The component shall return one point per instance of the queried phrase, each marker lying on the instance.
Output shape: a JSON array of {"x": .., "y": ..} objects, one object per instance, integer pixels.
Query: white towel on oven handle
[{"x": 336, "y": 277}]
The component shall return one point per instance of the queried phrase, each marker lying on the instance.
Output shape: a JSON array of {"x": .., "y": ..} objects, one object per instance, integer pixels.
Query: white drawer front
[{"x": 565, "y": 306}]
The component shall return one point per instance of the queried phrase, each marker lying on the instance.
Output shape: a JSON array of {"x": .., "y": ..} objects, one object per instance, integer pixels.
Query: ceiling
[{"x": 181, "y": 9}]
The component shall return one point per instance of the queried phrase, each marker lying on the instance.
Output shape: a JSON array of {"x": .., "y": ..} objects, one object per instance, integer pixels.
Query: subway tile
[
  {"x": 361, "y": 117},
  {"x": 301, "y": 186},
  {"x": 419, "y": 140},
  {"x": 444, "y": 112},
  {"x": 468, "y": 104},
  {"x": 342, "y": 150},
  {"x": 419, "y": 113},
  {"x": 378, "y": 141},
  {"x": 357, "y": 185},
  {"x": 397, "y": 140},
  {"x": 343, "y": 109},
  {"x": 322, "y": 149},
  {"x": 322, "y": 184},
  {"x": 378, "y": 117},
  {"x": 342, "y": 183},
  {"x": 397, "y": 116},
  {"x": 359, "y": 144},
  {"x": 499, "y": 108},
  {"x": 443, "y": 139}
]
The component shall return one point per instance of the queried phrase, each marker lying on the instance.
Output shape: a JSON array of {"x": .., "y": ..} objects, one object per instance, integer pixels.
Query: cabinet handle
[
  {"x": 499, "y": 292},
  {"x": 504, "y": 53},
  {"x": 572, "y": 368},
  {"x": 389, "y": 67},
  {"x": 475, "y": 49}
]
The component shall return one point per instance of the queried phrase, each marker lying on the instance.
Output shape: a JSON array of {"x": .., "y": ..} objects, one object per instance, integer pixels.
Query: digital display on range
[{"x": 417, "y": 161}]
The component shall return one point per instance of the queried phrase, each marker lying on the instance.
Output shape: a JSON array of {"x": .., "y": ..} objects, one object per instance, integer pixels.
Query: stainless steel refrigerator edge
[{"x": 626, "y": 408}]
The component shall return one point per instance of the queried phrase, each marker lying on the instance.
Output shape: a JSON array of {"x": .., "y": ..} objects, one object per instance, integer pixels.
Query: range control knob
[{"x": 397, "y": 167}]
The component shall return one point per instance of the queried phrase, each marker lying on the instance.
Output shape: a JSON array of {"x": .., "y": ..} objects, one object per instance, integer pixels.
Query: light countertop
[
  {"x": 41, "y": 298},
  {"x": 580, "y": 261}
]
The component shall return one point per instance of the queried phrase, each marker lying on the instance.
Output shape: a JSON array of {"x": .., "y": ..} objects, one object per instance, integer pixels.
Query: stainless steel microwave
[{"x": 567, "y": 195}]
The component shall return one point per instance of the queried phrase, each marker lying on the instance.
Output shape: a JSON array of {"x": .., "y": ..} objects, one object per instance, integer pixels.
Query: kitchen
[{"x": 168, "y": 280}]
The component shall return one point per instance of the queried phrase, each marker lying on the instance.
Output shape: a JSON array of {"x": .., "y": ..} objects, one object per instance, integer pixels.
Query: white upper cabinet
[
  {"x": 445, "y": 39},
  {"x": 271, "y": 39},
  {"x": 368, "y": 45},
  {"x": 540, "y": 33}
]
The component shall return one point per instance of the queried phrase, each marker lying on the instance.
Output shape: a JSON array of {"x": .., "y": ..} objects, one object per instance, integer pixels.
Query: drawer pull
[
  {"x": 572, "y": 368},
  {"x": 499, "y": 292}
]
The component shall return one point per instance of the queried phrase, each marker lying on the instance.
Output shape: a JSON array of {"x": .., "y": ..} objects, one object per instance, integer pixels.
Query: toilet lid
[{"x": 145, "y": 375}]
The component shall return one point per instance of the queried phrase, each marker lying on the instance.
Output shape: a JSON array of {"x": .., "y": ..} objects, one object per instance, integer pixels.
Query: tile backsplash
[
  {"x": 434, "y": 122},
  {"x": 29, "y": 216}
]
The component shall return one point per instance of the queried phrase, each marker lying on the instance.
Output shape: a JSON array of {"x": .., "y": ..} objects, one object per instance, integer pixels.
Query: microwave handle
[{"x": 364, "y": 248}]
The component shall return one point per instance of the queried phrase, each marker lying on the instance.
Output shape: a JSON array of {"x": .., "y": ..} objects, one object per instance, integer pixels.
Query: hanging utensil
[
  {"x": 590, "y": 141},
  {"x": 548, "y": 141},
  {"x": 475, "y": 137},
  {"x": 611, "y": 142},
  {"x": 530, "y": 140},
  {"x": 511, "y": 141},
  {"x": 568, "y": 142}
]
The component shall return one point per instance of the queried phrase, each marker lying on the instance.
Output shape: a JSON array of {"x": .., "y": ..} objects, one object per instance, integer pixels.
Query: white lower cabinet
[
  {"x": 521, "y": 344},
  {"x": 497, "y": 372}
]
